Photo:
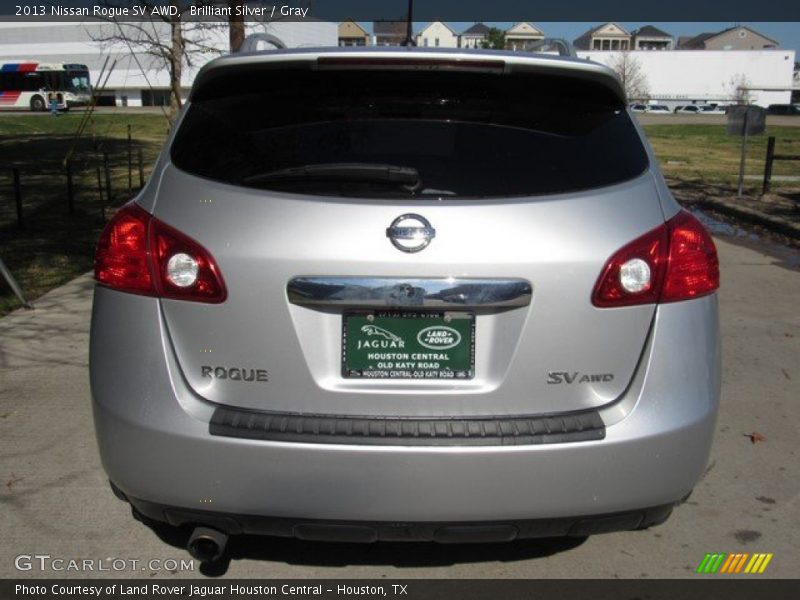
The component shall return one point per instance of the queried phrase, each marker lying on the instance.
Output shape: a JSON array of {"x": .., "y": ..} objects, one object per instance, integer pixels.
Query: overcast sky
[{"x": 787, "y": 34}]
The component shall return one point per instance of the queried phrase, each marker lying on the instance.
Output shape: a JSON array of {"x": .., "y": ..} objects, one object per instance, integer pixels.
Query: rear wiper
[{"x": 366, "y": 172}]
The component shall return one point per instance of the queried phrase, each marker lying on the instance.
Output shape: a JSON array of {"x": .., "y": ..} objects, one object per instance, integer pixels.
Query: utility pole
[
  {"x": 409, "y": 41},
  {"x": 744, "y": 154}
]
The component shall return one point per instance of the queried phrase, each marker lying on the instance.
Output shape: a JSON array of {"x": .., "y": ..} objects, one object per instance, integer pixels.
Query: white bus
[{"x": 35, "y": 86}]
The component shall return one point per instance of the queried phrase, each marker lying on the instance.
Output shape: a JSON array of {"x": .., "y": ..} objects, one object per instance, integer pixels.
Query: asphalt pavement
[{"x": 55, "y": 501}]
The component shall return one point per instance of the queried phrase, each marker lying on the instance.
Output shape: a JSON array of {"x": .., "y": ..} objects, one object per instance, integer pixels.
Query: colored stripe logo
[
  {"x": 9, "y": 97},
  {"x": 739, "y": 562},
  {"x": 18, "y": 67}
]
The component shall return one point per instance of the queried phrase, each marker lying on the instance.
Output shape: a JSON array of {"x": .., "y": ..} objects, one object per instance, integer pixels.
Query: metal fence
[{"x": 97, "y": 166}]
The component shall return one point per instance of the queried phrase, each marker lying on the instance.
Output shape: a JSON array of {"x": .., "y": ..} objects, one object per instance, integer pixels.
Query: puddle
[
  {"x": 721, "y": 228},
  {"x": 752, "y": 237}
]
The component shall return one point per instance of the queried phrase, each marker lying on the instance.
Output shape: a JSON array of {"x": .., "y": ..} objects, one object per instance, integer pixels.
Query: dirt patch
[{"x": 744, "y": 536}]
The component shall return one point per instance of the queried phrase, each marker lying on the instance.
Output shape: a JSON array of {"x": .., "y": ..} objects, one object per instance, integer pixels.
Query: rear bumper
[
  {"x": 158, "y": 450},
  {"x": 392, "y": 531}
]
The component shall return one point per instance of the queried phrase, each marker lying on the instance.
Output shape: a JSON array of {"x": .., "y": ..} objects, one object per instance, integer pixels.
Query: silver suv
[{"x": 404, "y": 295}]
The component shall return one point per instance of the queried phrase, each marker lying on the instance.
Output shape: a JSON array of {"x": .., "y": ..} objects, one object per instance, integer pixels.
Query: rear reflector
[
  {"x": 681, "y": 259},
  {"x": 139, "y": 254}
]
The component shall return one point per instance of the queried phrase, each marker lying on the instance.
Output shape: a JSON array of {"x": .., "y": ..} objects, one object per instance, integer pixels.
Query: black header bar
[{"x": 396, "y": 10}]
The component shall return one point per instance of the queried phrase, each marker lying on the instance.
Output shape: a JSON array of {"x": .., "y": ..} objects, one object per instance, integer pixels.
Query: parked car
[
  {"x": 456, "y": 304},
  {"x": 658, "y": 109},
  {"x": 713, "y": 109},
  {"x": 638, "y": 108},
  {"x": 783, "y": 109},
  {"x": 687, "y": 109}
]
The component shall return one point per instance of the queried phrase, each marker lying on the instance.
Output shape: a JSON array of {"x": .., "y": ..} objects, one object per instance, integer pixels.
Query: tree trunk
[
  {"x": 176, "y": 65},
  {"x": 235, "y": 25}
]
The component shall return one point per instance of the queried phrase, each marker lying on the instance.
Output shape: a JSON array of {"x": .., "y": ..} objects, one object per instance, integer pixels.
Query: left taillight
[
  {"x": 139, "y": 254},
  {"x": 673, "y": 262},
  {"x": 122, "y": 258}
]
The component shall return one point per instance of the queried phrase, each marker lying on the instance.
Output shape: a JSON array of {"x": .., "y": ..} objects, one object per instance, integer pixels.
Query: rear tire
[{"x": 38, "y": 104}]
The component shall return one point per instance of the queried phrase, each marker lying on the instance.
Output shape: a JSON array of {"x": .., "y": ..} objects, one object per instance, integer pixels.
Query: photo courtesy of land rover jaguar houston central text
[{"x": 404, "y": 294}]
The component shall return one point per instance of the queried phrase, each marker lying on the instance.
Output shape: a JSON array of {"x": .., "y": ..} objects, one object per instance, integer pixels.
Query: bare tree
[
  {"x": 165, "y": 40},
  {"x": 633, "y": 78},
  {"x": 739, "y": 89},
  {"x": 236, "y": 25}
]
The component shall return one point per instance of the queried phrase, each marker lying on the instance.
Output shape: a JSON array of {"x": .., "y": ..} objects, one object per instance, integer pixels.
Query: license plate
[{"x": 408, "y": 345}]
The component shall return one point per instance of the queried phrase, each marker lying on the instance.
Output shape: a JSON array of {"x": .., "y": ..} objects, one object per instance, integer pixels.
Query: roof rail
[
  {"x": 251, "y": 42},
  {"x": 550, "y": 45}
]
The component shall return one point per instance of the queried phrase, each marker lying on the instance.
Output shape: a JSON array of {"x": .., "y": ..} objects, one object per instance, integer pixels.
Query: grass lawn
[
  {"x": 705, "y": 154},
  {"x": 55, "y": 247}
]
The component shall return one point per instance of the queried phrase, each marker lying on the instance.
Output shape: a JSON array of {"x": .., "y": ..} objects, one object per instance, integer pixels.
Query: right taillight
[
  {"x": 693, "y": 268},
  {"x": 122, "y": 258},
  {"x": 139, "y": 254},
  {"x": 675, "y": 261}
]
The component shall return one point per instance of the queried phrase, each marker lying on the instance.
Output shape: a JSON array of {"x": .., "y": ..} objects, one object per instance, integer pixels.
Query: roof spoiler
[{"x": 547, "y": 45}]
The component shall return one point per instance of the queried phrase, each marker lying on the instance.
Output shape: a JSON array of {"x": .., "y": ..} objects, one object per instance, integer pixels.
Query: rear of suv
[{"x": 404, "y": 295}]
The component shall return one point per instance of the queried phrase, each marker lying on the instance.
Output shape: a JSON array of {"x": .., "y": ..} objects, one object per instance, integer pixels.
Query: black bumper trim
[
  {"x": 400, "y": 431},
  {"x": 399, "y": 531}
]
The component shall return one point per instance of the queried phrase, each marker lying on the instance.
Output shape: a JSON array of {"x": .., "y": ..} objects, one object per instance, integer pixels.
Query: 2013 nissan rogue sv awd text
[{"x": 404, "y": 294}]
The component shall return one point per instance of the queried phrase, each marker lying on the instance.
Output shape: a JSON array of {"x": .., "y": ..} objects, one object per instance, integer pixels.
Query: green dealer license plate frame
[{"x": 408, "y": 345}]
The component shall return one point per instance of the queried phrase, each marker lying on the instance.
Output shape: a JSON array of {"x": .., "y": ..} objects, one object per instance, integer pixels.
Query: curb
[{"x": 750, "y": 215}]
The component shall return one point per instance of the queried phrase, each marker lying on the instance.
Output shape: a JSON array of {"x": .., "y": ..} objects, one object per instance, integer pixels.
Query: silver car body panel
[
  {"x": 154, "y": 441},
  {"x": 261, "y": 241},
  {"x": 152, "y": 405}
]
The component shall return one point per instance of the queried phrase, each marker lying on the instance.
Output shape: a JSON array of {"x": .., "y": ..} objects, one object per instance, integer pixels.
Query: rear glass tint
[{"x": 408, "y": 133}]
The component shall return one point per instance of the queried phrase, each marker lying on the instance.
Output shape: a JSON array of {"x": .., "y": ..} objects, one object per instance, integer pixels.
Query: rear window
[{"x": 400, "y": 134}]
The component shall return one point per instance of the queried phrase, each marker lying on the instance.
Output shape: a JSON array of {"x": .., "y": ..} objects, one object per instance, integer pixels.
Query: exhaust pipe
[{"x": 206, "y": 544}]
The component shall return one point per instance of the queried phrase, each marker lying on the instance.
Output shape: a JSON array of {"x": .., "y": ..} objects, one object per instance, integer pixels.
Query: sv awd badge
[{"x": 554, "y": 377}]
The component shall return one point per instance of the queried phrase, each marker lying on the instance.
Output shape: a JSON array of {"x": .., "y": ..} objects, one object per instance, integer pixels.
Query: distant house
[
  {"x": 389, "y": 33},
  {"x": 474, "y": 37},
  {"x": 523, "y": 36},
  {"x": 652, "y": 38},
  {"x": 733, "y": 38},
  {"x": 608, "y": 36},
  {"x": 352, "y": 34},
  {"x": 437, "y": 35}
]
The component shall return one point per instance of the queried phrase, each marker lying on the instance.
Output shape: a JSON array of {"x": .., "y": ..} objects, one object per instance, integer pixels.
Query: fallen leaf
[
  {"x": 755, "y": 437},
  {"x": 14, "y": 479}
]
